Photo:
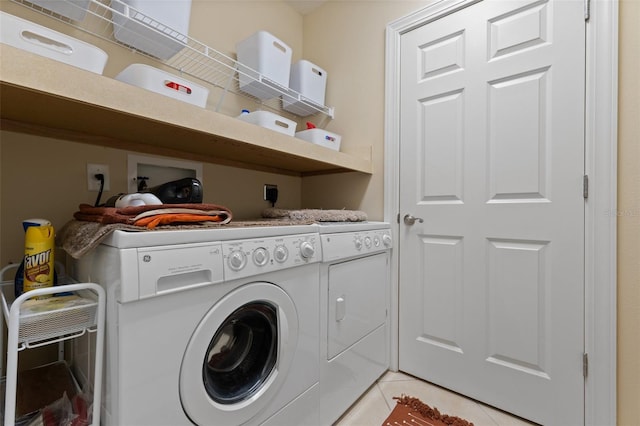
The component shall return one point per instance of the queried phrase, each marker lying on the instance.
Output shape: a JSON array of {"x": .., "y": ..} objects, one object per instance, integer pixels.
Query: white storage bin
[
  {"x": 271, "y": 58},
  {"x": 72, "y": 9},
  {"x": 321, "y": 137},
  {"x": 159, "y": 28},
  {"x": 310, "y": 81},
  {"x": 270, "y": 121},
  {"x": 43, "y": 41},
  {"x": 165, "y": 83}
]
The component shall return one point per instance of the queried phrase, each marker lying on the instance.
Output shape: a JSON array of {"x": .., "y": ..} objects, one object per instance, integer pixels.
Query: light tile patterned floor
[{"x": 375, "y": 405}]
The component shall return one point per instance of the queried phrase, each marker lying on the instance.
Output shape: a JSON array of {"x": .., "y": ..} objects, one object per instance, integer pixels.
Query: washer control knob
[
  {"x": 281, "y": 253},
  {"x": 376, "y": 241},
  {"x": 367, "y": 242},
  {"x": 237, "y": 259},
  {"x": 307, "y": 250},
  {"x": 386, "y": 240},
  {"x": 358, "y": 243},
  {"x": 260, "y": 256}
]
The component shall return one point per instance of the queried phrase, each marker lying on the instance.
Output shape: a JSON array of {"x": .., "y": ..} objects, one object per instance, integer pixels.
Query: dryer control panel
[
  {"x": 243, "y": 258},
  {"x": 350, "y": 244}
]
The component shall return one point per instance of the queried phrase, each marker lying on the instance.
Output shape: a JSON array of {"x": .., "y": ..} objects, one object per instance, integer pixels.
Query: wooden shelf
[{"x": 45, "y": 97}]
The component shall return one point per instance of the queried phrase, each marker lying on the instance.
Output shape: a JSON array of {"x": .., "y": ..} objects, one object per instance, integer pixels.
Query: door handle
[
  {"x": 341, "y": 309},
  {"x": 410, "y": 220}
]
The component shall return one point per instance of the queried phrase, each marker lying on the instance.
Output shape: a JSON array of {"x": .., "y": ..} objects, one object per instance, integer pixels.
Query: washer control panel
[
  {"x": 349, "y": 244},
  {"x": 244, "y": 258}
]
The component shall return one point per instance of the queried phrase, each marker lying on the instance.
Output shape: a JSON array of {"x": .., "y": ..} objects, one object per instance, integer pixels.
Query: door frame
[{"x": 601, "y": 121}]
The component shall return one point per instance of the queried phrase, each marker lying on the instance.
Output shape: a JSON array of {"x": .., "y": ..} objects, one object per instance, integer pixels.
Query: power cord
[
  {"x": 100, "y": 177},
  {"x": 271, "y": 195}
]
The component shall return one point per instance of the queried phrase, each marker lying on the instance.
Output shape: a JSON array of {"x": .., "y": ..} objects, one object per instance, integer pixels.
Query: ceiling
[{"x": 305, "y": 6}]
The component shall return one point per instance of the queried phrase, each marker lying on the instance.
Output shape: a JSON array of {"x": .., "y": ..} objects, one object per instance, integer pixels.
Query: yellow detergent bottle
[{"x": 39, "y": 244}]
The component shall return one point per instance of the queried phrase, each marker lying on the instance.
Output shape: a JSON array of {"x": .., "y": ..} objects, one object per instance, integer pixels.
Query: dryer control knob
[
  {"x": 260, "y": 256},
  {"x": 281, "y": 253},
  {"x": 237, "y": 260},
  {"x": 358, "y": 243},
  {"x": 367, "y": 242},
  {"x": 307, "y": 250},
  {"x": 376, "y": 241},
  {"x": 386, "y": 240}
]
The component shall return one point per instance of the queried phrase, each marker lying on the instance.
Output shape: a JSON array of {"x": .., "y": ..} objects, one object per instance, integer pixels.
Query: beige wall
[
  {"x": 44, "y": 177},
  {"x": 629, "y": 216},
  {"x": 347, "y": 39}
]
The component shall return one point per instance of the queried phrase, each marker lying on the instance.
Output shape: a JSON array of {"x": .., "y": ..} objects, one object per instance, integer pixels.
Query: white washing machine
[
  {"x": 210, "y": 327},
  {"x": 355, "y": 285}
]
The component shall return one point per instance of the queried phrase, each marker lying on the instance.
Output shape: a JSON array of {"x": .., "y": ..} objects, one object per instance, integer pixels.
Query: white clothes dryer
[
  {"x": 210, "y": 327},
  {"x": 355, "y": 278}
]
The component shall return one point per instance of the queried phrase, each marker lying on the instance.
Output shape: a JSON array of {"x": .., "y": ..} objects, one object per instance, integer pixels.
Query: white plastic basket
[
  {"x": 262, "y": 52},
  {"x": 137, "y": 24},
  {"x": 271, "y": 121},
  {"x": 321, "y": 137},
  {"x": 165, "y": 83},
  {"x": 310, "y": 81},
  {"x": 72, "y": 9},
  {"x": 34, "y": 38}
]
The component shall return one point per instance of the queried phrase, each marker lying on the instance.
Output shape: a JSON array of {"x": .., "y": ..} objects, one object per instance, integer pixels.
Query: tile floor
[{"x": 376, "y": 404}]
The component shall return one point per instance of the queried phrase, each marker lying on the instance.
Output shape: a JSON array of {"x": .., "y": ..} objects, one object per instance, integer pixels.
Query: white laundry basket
[
  {"x": 72, "y": 9},
  {"x": 321, "y": 137},
  {"x": 271, "y": 58},
  {"x": 310, "y": 81},
  {"x": 43, "y": 41},
  {"x": 159, "y": 28},
  {"x": 271, "y": 121},
  {"x": 165, "y": 83}
]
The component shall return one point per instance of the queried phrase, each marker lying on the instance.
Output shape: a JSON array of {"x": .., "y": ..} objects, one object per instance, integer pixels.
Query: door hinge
[
  {"x": 585, "y": 186},
  {"x": 587, "y": 9},
  {"x": 585, "y": 365}
]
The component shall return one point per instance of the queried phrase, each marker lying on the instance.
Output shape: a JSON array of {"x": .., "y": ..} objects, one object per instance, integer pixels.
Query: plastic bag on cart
[
  {"x": 65, "y": 412},
  {"x": 82, "y": 407}
]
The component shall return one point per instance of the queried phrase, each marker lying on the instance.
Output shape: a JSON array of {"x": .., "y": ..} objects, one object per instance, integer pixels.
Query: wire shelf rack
[
  {"x": 48, "y": 323},
  {"x": 106, "y": 19}
]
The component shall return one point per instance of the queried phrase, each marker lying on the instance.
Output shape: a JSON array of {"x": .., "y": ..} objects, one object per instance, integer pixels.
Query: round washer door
[{"x": 239, "y": 355}]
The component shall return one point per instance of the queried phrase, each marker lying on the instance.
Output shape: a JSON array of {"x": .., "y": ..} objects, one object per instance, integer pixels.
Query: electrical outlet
[
  {"x": 93, "y": 184},
  {"x": 271, "y": 193}
]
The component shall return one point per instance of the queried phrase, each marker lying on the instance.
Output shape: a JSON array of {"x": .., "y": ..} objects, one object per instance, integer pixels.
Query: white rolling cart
[{"x": 49, "y": 327}]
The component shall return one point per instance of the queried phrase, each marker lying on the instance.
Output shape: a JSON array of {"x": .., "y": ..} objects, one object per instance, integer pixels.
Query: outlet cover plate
[{"x": 93, "y": 184}]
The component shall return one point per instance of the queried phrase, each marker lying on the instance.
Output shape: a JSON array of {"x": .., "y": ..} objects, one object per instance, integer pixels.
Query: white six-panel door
[{"x": 492, "y": 160}]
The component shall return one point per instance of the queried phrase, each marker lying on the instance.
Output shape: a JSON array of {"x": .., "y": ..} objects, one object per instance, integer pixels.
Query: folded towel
[
  {"x": 151, "y": 216},
  {"x": 167, "y": 219},
  {"x": 317, "y": 215},
  {"x": 78, "y": 237}
]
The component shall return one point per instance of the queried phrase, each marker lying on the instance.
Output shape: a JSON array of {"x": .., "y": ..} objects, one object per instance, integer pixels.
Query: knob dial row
[
  {"x": 261, "y": 256},
  {"x": 360, "y": 242}
]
